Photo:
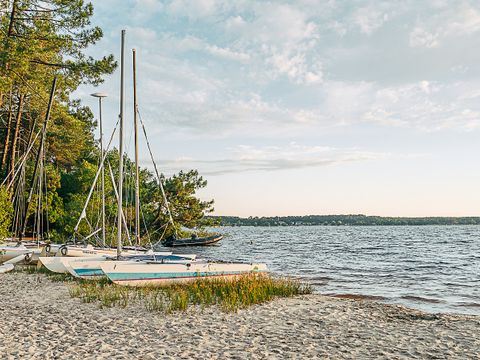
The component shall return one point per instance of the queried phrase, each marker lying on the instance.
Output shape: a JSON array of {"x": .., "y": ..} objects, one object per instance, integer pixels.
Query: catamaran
[
  {"x": 141, "y": 273},
  {"x": 13, "y": 254},
  {"x": 150, "y": 274},
  {"x": 6, "y": 268},
  {"x": 139, "y": 269},
  {"x": 91, "y": 269}
]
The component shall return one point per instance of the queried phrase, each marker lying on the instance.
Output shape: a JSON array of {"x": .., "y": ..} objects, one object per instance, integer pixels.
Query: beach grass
[
  {"x": 230, "y": 295},
  {"x": 56, "y": 277}
]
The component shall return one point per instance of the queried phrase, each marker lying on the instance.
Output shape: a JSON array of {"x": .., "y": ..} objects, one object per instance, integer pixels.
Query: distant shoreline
[{"x": 342, "y": 220}]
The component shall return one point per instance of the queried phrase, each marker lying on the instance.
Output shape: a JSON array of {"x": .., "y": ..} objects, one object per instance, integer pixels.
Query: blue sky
[{"x": 307, "y": 107}]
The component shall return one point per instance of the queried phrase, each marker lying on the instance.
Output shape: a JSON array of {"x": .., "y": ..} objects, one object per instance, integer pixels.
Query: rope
[
  {"x": 156, "y": 171},
  {"x": 83, "y": 214},
  {"x": 116, "y": 196},
  {"x": 20, "y": 164}
]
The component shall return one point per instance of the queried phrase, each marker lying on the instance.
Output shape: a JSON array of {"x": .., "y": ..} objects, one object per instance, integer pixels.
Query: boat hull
[
  {"x": 6, "y": 268},
  {"x": 60, "y": 264},
  {"x": 88, "y": 269},
  {"x": 10, "y": 252},
  {"x": 90, "y": 251},
  {"x": 192, "y": 241},
  {"x": 148, "y": 274}
]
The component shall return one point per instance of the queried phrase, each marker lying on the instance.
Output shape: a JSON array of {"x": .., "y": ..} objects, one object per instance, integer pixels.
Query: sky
[{"x": 305, "y": 107}]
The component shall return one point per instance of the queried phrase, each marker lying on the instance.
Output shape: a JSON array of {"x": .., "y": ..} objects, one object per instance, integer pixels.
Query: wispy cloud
[
  {"x": 449, "y": 21},
  {"x": 246, "y": 158}
]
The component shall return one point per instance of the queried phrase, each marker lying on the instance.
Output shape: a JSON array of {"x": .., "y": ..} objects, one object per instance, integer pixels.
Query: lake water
[{"x": 432, "y": 268}]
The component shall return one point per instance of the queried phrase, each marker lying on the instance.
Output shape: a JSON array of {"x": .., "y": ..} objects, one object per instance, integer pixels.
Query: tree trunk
[
  {"x": 15, "y": 135},
  {"x": 12, "y": 18},
  {"x": 7, "y": 136}
]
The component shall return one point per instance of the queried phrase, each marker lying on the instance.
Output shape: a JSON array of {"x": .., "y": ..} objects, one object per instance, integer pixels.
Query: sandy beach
[{"x": 39, "y": 320}]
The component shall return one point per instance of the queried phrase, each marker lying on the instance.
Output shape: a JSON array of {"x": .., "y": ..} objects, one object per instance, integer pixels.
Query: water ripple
[{"x": 433, "y": 268}]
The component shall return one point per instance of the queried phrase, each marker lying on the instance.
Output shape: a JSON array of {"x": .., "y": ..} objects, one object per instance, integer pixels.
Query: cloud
[
  {"x": 193, "y": 9},
  {"x": 227, "y": 53},
  {"x": 246, "y": 158},
  {"x": 419, "y": 37},
  {"x": 253, "y": 68},
  {"x": 369, "y": 19},
  {"x": 465, "y": 22},
  {"x": 444, "y": 24}
]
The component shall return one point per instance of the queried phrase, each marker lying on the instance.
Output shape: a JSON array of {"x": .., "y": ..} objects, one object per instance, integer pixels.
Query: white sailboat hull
[
  {"x": 90, "y": 251},
  {"x": 88, "y": 269},
  {"x": 91, "y": 263},
  {"x": 53, "y": 264},
  {"x": 10, "y": 252},
  {"x": 6, "y": 268},
  {"x": 153, "y": 274}
]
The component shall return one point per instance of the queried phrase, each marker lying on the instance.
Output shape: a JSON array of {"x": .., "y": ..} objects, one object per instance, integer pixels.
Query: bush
[{"x": 6, "y": 213}]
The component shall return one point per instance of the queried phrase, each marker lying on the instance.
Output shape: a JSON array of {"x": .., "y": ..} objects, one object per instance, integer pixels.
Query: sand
[{"x": 39, "y": 320}]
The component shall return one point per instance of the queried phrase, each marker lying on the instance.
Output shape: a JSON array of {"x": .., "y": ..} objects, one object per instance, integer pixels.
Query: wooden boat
[
  {"x": 192, "y": 241},
  {"x": 146, "y": 274},
  {"x": 91, "y": 268}
]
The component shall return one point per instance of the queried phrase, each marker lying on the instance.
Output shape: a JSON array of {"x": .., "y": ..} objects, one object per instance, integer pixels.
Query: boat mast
[
  {"x": 100, "y": 96},
  {"x": 120, "y": 150},
  {"x": 137, "y": 188},
  {"x": 40, "y": 151},
  {"x": 103, "y": 170}
]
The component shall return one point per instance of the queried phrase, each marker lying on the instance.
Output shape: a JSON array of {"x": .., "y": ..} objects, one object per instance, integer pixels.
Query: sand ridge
[{"x": 39, "y": 320}]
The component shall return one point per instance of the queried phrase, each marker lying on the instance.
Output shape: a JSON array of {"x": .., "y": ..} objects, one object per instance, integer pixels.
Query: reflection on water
[{"x": 433, "y": 268}]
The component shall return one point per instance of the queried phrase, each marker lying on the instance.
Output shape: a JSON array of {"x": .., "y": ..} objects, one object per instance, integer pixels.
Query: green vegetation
[
  {"x": 55, "y": 277},
  {"x": 229, "y": 295},
  {"x": 338, "y": 220},
  {"x": 40, "y": 39},
  {"x": 6, "y": 212}
]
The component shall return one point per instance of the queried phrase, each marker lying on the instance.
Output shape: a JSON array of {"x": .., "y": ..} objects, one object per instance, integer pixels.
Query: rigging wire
[{"x": 157, "y": 173}]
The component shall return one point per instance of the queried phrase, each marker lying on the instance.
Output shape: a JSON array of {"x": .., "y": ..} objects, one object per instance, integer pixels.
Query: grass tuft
[
  {"x": 56, "y": 277},
  {"x": 230, "y": 295}
]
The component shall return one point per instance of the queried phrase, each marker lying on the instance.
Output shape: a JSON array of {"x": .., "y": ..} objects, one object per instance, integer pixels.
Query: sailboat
[
  {"x": 92, "y": 268},
  {"x": 147, "y": 272},
  {"x": 154, "y": 274},
  {"x": 19, "y": 250}
]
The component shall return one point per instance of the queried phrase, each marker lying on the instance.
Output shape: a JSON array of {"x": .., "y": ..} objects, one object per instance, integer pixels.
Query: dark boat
[{"x": 192, "y": 241}]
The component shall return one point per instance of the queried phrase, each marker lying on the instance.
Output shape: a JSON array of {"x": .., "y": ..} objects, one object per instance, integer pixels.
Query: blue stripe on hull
[
  {"x": 89, "y": 272},
  {"x": 169, "y": 275}
]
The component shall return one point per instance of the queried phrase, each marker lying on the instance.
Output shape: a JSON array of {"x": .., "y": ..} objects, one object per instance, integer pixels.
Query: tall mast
[
  {"x": 103, "y": 171},
  {"x": 120, "y": 150},
  {"x": 100, "y": 96},
  {"x": 40, "y": 151},
  {"x": 137, "y": 188}
]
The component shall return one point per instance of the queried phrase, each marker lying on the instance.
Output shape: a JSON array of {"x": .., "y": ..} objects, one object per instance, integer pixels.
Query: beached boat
[
  {"x": 6, "y": 268},
  {"x": 59, "y": 264},
  {"x": 90, "y": 250},
  {"x": 150, "y": 274},
  {"x": 194, "y": 240},
  {"x": 90, "y": 269},
  {"x": 9, "y": 253}
]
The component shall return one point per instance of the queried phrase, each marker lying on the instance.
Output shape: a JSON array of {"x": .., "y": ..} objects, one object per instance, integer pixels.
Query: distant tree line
[{"x": 339, "y": 220}]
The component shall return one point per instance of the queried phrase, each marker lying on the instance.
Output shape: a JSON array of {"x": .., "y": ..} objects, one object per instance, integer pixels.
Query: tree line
[
  {"x": 339, "y": 220},
  {"x": 41, "y": 40}
]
